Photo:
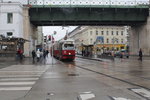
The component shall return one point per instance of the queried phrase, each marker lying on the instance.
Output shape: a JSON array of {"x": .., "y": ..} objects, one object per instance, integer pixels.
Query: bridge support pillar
[
  {"x": 29, "y": 33},
  {"x": 140, "y": 38}
]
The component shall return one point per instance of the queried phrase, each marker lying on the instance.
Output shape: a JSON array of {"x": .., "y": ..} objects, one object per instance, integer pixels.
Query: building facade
[
  {"x": 11, "y": 17},
  {"x": 15, "y": 23},
  {"x": 99, "y": 38}
]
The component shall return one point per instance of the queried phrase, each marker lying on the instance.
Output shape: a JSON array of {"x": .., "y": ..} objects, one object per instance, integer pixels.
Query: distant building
[
  {"x": 99, "y": 38},
  {"x": 20, "y": 1}
]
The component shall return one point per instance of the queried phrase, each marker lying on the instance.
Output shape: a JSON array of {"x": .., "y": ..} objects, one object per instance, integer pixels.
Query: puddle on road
[
  {"x": 72, "y": 74},
  {"x": 51, "y": 94},
  {"x": 86, "y": 96}
]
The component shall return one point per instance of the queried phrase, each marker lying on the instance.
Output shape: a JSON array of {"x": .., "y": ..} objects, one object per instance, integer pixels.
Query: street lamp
[{"x": 52, "y": 44}]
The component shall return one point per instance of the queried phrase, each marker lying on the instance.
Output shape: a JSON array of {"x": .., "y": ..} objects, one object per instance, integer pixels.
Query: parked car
[{"x": 121, "y": 54}]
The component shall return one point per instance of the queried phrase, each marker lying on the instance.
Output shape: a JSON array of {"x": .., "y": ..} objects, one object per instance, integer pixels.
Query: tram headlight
[{"x": 69, "y": 53}]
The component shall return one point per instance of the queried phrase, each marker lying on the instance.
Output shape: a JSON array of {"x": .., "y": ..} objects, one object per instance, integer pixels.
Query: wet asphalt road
[{"x": 108, "y": 80}]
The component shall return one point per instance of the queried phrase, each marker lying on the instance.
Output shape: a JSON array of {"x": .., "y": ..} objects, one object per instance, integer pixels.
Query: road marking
[
  {"x": 20, "y": 71},
  {"x": 86, "y": 96},
  {"x": 20, "y": 76},
  {"x": 15, "y": 88},
  {"x": 142, "y": 92},
  {"x": 119, "y": 98},
  {"x": 19, "y": 79},
  {"x": 17, "y": 83}
]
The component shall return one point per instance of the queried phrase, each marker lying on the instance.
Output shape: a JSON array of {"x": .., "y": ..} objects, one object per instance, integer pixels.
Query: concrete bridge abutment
[
  {"x": 29, "y": 33},
  {"x": 140, "y": 38}
]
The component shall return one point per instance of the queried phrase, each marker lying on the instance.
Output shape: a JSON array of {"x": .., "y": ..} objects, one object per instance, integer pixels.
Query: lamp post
[{"x": 52, "y": 44}]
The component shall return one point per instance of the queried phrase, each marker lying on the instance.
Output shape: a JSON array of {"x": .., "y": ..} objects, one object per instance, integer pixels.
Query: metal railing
[{"x": 89, "y": 2}]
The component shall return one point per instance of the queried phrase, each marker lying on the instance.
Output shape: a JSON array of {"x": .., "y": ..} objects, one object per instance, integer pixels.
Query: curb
[{"x": 90, "y": 58}]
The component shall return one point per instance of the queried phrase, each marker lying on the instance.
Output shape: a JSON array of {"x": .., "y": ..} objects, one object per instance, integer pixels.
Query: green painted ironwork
[
  {"x": 87, "y": 15},
  {"x": 87, "y": 12}
]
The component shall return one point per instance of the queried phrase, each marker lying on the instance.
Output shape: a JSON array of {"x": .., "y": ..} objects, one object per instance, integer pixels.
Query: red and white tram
[{"x": 64, "y": 49}]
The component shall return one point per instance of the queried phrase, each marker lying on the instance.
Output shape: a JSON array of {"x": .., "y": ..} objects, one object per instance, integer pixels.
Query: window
[
  {"x": 9, "y": 18},
  {"x": 116, "y": 32},
  {"x": 112, "y": 33},
  {"x": 107, "y": 32},
  {"x": 117, "y": 41},
  {"x": 112, "y": 40},
  {"x": 9, "y": 33},
  {"x": 91, "y": 41},
  {"x": 121, "y": 40},
  {"x": 102, "y": 32},
  {"x": 90, "y": 32},
  {"x": 68, "y": 47},
  {"x": 96, "y": 32},
  {"x": 121, "y": 32},
  {"x": 107, "y": 40}
]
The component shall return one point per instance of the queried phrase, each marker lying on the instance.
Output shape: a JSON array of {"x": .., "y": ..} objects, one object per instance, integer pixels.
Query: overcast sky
[{"x": 61, "y": 31}]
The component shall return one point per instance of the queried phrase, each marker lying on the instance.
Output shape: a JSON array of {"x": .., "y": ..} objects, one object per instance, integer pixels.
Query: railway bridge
[{"x": 92, "y": 12}]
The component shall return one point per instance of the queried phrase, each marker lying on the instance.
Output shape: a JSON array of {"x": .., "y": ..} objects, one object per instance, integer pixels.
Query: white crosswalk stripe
[
  {"x": 20, "y": 78},
  {"x": 17, "y": 83},
  {"x": 3, "y": 76},
  {"x": 15, "y": 88}
]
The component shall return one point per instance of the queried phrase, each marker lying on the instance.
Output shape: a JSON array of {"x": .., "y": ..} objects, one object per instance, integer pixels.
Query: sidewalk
[
  {"x": 103, "y": 59},
  {"x": 92, "y": 58}
]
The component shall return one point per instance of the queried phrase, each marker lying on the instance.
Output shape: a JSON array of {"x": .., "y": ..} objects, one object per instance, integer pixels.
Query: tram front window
[{"x": 68, "y": 47}]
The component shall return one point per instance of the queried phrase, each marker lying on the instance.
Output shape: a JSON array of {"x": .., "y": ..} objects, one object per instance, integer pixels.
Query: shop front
[
  {"x": 87, "y": 50},
  {"x": 9, "y": 46},
  {"x": 109, "y": 47}
]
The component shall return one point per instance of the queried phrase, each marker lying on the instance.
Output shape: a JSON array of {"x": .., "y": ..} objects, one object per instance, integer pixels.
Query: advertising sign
[{"x": 100, "y": 40}]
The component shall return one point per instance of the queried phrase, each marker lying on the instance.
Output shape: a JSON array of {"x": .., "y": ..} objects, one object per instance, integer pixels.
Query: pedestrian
[
  {"x": 47, "y": 52},
  {"x": 33, "y": 55},
  {"x": 82, "y": 53},
  {"x": 38, "y": 54},
  {"x": 140, "y": 54},
  {"x": 20, "y": 53},
  {"x": 44, "y": 54}
]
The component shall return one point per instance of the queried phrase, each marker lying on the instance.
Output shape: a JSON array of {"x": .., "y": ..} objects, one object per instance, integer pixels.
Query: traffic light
[{"x": 45, "y": 38}]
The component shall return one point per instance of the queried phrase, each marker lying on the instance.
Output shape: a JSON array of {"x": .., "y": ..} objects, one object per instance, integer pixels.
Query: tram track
[{"x": 100, "y": 73}]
